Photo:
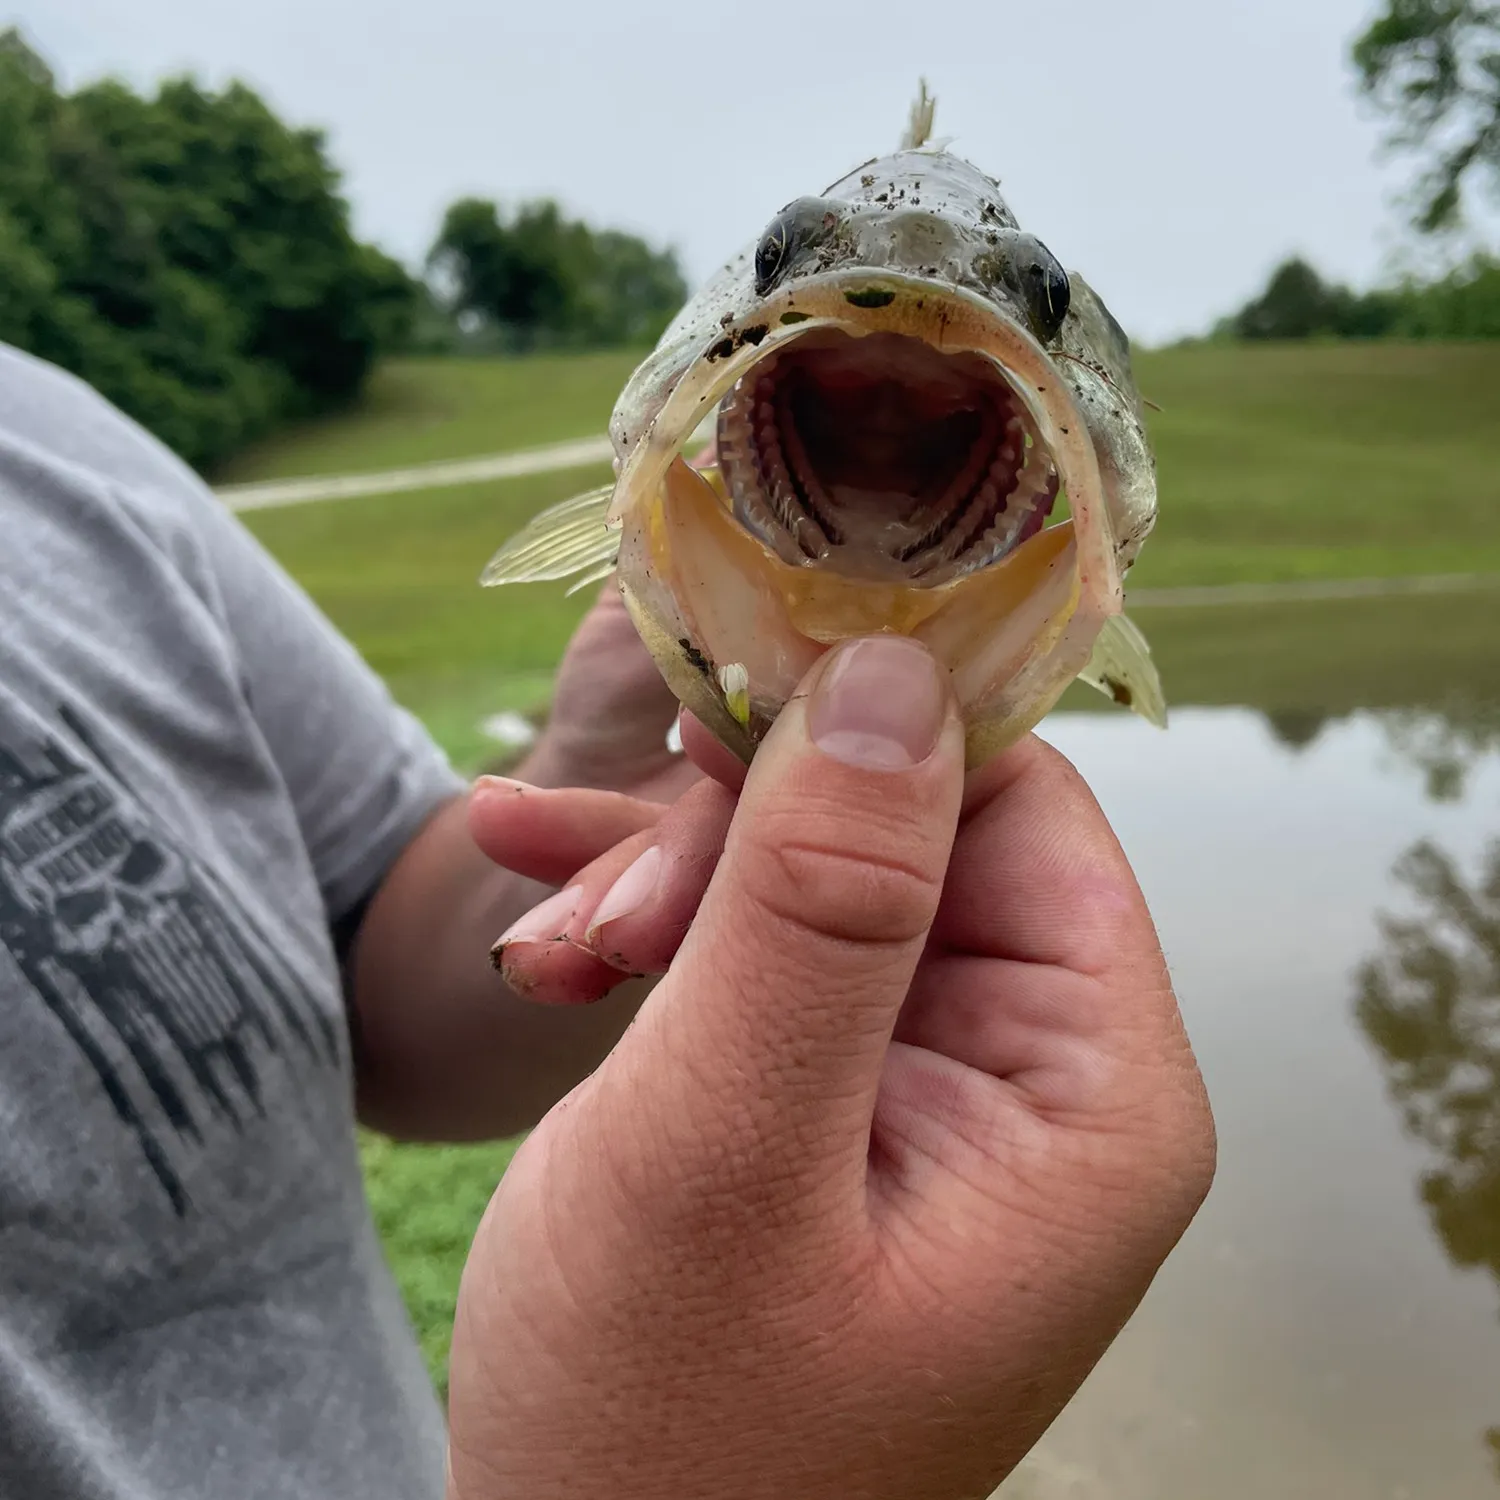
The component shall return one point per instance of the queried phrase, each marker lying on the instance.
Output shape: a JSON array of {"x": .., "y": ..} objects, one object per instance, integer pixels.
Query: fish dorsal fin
[
  {"x": 1121, "y": 668},
  {"x": 564, "y": 539},
  {"x": 919, "y": 127}
]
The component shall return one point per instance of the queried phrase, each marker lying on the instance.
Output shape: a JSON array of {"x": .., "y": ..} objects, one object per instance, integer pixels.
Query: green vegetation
[
  {"x": 427, "y": 1202},
  {"x": 1314, "y": 661},
  {"x": 399, "y": 574},
  {"x": 1299, "y": 304},
  {"x": 419, "y": 411},
  {"x": 1277, "y": 462},
  {"x": 535, "y": 279},
  {"x": 1313, "y": 461},
  {"x": 187, "y": 254},
  {"x": 1433, "y": 66}
]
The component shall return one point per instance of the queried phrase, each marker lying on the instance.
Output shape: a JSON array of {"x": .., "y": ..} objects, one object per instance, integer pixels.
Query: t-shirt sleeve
[{"x": 362, "y": 772}]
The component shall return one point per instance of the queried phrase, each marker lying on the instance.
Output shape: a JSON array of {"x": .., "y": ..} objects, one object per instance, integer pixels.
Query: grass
[
  {"x": 1437, "y": 653},
  {"x": 1275, "y": 464},
  {"x": 1329, "y": 461},
  {"x": 424, "y": 410},
  {"x": 427, "y": 1202},
  {"x": 399, "y": 575}
]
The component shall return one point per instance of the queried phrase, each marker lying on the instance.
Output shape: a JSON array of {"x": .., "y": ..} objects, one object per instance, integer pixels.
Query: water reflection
[
  {"x": 1296, "y": 728},
  {"x": 1327, "y": 1328},
  {"x": 1445, "y": 746},
  {"x": 1430, "y": 1004},
  {"x": 1443, "y": 743}
]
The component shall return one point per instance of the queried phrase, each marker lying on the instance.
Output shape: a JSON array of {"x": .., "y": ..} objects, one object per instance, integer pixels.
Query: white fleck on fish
[{"x": 923, "y": 425}]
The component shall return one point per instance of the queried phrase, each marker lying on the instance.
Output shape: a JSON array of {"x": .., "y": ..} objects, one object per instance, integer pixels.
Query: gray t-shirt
[{"x": 199, "y": 781}]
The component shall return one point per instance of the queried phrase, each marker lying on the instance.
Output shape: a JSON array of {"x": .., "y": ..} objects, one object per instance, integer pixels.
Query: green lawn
[
  {"x": 1329, "y": 461},
  {"x": 422, "y": 411},
  {"x": 1275, "y": 464},
  {"x": 427, "y": 1202}
]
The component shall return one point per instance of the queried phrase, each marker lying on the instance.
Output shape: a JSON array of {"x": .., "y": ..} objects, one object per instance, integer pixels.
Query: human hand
[
  {"x": 611, "y": 712},
  {"x": 611, "y": 707},
  {"x": 887, "y": 1159}
]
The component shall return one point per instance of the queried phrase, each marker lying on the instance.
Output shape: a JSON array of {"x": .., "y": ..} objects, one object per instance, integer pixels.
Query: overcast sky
[{"x": 1171, "y": 150}]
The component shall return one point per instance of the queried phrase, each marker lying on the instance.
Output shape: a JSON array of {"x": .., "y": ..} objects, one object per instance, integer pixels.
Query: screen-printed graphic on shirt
[{"x": 155, "y": 975}]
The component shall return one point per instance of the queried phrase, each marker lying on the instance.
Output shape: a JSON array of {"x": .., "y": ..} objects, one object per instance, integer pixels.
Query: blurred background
[{"x": 378, "y": 271}]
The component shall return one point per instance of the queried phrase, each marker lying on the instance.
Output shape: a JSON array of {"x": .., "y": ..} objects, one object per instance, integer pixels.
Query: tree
[
  {"x": 1294, "y": 305},
  {"x": 634, "y": 291},
  {"x": 538, "y": 277},
  {"x": 1299, "y": 304},
  {"x": 188, "y": 255},
  {"x": 1434, "y": 67},
  {"x": 1429, "y": 1002}
]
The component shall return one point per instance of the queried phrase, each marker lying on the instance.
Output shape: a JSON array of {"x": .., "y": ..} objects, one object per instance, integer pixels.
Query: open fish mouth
[
  {"x": 923, "y": 425},
  {"x": 881, "y": 457}
]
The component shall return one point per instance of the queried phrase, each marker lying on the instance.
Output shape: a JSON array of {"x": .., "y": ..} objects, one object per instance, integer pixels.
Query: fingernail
[
  {"x": 546, "y": 922},
  {"x": 629, "y": 893},
  {"x": 878, "y": 705}
]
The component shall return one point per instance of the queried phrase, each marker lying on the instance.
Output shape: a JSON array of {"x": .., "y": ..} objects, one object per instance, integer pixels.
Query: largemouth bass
[{"x": 922, "y": 424}]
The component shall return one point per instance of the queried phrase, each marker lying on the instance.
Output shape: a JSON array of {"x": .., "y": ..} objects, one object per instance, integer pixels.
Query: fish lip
[{"x": 950, "y": 318}]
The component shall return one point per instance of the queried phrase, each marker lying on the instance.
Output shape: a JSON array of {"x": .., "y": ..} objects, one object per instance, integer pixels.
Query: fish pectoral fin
[
  {"x": 564, "y": 539},
  {"x": 593, "y": 576},
  {"x": 1121, "y": 668}
]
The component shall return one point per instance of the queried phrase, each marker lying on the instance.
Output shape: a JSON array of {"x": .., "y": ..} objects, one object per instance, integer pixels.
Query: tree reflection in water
[
  {"x": 1430, "y": 1003},
  {"x": 1444, "y": 744}
]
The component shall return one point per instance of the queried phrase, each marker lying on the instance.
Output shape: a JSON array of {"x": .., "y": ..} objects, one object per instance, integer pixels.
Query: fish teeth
[
  {"x": 751, "y": 462},
  {"x": 953, "y": 536},
  {"x": 1001, "y": 496},
  {"x": 936, "y": 518},
  {"x": 815, "y": 533},
  {"x": 1022, "y": 516}
]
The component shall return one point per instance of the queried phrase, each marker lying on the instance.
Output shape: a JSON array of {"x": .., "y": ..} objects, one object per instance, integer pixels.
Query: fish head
[{"x": 923, "y": 424}]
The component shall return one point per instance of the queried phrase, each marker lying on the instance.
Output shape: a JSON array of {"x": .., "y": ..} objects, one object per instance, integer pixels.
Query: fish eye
[
  {"x": 798, "y": 225},
  {"x": 1047, "y": 290}
]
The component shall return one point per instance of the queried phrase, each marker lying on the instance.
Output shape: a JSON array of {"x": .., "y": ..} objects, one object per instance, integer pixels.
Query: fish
[{"x": 917, "y": 422}]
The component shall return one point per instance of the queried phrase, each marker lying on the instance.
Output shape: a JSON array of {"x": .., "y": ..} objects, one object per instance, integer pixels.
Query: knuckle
[{"x": 869, "y": 889}]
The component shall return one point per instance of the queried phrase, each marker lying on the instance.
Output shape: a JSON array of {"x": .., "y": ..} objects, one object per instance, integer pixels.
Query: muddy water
[{"x": 1327, "y": 885}]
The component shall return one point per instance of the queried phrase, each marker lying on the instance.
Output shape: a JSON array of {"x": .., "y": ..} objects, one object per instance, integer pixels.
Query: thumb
[{"x": 781, "y": 1002}]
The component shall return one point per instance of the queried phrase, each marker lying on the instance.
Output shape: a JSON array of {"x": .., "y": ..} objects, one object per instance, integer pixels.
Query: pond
[{"x": 1318, "y": 834}]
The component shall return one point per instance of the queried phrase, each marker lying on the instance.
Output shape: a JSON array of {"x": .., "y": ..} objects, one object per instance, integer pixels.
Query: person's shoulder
[{"x": 53, "y": 420}]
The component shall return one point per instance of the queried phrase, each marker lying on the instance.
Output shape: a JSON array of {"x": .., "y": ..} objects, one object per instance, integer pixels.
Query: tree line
[
  {"x": 186, "y": 254},
  {"x": 1432, "y": 69},
  {"x": 534, "y": 278},
  {"x": 189, "y": 255},
  {"x": 1299, "y": 303}
]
